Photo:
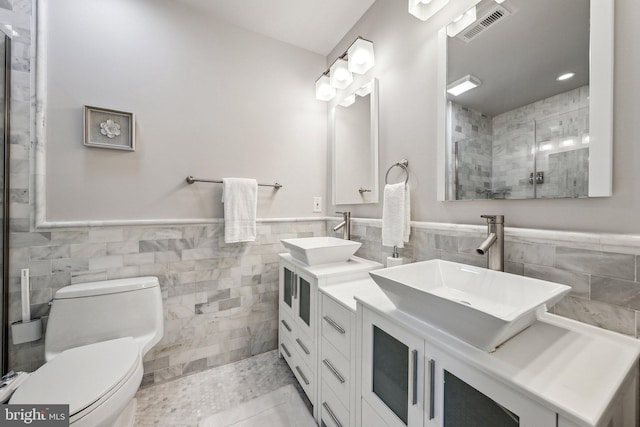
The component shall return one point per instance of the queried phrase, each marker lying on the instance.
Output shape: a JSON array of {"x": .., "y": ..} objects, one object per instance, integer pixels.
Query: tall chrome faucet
[
  {"x": 493, "y": 245},
  {"x": 345, "y": 225}
]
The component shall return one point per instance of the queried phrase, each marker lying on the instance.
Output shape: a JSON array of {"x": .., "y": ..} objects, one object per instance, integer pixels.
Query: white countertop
[
  {"x": 352, "y": 265},
  {"x": 570, "y": 367}
]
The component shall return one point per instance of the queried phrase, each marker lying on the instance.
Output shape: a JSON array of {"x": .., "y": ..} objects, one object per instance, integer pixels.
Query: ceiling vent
[{"x": 488, "y": 20}]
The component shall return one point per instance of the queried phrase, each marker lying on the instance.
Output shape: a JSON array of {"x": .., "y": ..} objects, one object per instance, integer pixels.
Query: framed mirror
[
  {"x": 354, "y": 131},
  {"x": 526, "y": 102}
]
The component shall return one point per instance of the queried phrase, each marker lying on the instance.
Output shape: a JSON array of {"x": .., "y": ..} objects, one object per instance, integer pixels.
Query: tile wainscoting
[
  {"x": 603, "y": 270},
  {"x": 220, "y": 300}
]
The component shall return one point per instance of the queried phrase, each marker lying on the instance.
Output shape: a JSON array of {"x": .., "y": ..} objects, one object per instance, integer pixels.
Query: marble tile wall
[
  {"x": 471, "y": 133},
  {"x": 220, "y": 300},
  {"x": 514, "y": 133},
  {"x": 604, "y": 276}
]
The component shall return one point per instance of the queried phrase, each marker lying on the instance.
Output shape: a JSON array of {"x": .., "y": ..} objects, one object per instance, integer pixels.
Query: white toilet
[{"x": 96, "y": 337}]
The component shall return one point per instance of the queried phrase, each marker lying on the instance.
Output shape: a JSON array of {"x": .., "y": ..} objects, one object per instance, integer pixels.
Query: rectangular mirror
[
  {"x": 526, "y": 107},
  {"x": 354, "y": 128}
]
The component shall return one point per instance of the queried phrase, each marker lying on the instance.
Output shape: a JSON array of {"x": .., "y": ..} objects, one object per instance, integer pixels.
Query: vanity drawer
[
  {"x": 305, "y": 347},
  {"x": 336, "y": 325},
  {"x": 333, "y": 413},
  {"x": 304, "y": 375},
  {"x": 286, "y": 325},
  {"x": 335, "y": 371},
  {"x": 287, "y": 351}
]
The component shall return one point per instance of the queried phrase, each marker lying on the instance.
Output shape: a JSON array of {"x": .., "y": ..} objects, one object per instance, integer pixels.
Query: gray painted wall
[
  {"x": 406, "y": 55},
  {"x": 211, "y": 100}
]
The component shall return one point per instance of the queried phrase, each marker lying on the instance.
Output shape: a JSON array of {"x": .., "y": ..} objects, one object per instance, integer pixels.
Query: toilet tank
[{"x": 92, "y": 312}]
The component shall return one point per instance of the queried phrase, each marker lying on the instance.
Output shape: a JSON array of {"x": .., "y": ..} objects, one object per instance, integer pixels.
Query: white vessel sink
[
  {"x": 481, "y": 307},
  {"x": 321, "y": 250}
]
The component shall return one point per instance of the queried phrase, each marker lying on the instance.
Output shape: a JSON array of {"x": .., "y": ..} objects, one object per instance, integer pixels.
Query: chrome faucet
[
  {"x": 493, "y": 245},
  {"x": 345, "y": 225}
]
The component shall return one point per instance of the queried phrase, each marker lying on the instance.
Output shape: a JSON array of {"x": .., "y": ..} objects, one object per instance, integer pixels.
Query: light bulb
[
  {"x": 361, "y": 57},
  {"x": 340, "y": 75},
  {"x": 324, "y": 91}
]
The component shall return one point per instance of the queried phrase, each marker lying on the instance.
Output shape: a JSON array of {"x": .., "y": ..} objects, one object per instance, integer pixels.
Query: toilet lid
[{"x": 80, "y": 376}]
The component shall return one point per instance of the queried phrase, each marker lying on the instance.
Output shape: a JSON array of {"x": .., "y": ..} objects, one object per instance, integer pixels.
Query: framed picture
[{"x": 105, "y": 128}]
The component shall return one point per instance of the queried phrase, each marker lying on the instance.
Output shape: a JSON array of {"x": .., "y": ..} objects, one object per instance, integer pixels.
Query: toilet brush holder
[{"x": 22, "y": 332}]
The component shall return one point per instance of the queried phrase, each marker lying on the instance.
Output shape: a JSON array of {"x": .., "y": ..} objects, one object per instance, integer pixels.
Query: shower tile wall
[
  {"x": 605, "y": 277},
  {"x": 471, "y": 132},
  {"x": 496, "y": 154},
  {"x": 514, "y": 134},
  {"x": 220, "y": 300}
]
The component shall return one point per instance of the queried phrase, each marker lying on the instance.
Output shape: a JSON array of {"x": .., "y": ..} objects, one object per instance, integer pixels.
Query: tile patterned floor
[
  {"x": 189, "y": 400},
  {"x": 280, "y": 408}
]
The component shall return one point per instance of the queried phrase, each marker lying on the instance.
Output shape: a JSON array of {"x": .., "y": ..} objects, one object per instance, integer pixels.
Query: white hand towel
[
  {"x": 240, "y": 198},
  {"x": 396, "y": 215}
]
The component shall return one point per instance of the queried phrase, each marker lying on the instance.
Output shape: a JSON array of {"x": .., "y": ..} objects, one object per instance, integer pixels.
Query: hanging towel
[
  {"x": 240, "y": 198},
  {"x": 396, "y": 215}
]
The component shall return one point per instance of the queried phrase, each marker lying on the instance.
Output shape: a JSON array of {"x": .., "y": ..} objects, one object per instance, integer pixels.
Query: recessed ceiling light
[{"x": 565, "y": 76}]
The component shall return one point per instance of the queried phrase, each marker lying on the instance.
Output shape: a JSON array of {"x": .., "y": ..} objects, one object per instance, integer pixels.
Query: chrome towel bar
[{"x": 191, "y": 180}]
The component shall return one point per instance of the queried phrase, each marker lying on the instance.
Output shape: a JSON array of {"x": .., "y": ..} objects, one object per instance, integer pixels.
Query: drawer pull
[
  {"x": 432, "y": 388},
  {"x": 286, "y": 350},
  {"x": 306, "y": 381},
  {"x": 286, "y": 325},
  {"x": 302, "y": 346},
  {"x": 335, "y": 326},
  {"x": 325, "y": 405},
  {"x": 414, "y": 358},
  {"x": 334, "y": 371}
]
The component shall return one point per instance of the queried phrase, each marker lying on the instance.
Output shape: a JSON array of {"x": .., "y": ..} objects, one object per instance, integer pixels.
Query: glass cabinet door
[
  {"x": 464, "y": 396},
  {"x": 305, "y": 302},
  {"x": 304, "y": 307},
  {"x": 392, "y": 375},
  {"x": 288, "y": 284},
  {"x": 464, "y": 406}
]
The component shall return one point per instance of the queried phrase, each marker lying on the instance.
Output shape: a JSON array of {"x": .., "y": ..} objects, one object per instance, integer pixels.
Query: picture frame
[{"x": 107, "y": 128}]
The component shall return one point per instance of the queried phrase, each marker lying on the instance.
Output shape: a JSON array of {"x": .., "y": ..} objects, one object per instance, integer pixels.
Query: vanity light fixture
[
  {"x": 461, "y": 22},
  {"x": 340, "y": 76},
  {"x": 425, "y": 9},
  {"x": 462, "y": 85},
  {"x": 358, "y": 58},
  {"x": 569, "y": 142},
  {"x": 499, "y": 1},
  {"x": 565, "y": 76},
  {"x": 361, "y": 58},
  {"x": 324, "y": 90}
]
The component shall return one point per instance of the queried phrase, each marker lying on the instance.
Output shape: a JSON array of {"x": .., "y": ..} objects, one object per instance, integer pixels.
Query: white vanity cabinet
[
  {"x": 337, "y": 348},
  {"x": 392, "y": 372},
  {"x": 301, "y": 327},
  {"x": 556, "y": 373},
  {"x": 407, "y": 381}
]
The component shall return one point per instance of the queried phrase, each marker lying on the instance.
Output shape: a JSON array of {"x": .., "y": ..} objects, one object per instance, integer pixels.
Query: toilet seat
[{"x": 83, "y": 377}]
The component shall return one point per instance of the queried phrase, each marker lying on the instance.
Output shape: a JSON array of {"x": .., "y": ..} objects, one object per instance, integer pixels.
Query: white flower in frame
[{"x": 110, "y": 128}]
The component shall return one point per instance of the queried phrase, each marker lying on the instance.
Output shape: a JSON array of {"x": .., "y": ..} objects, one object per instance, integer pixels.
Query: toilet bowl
[{"x": 97, "y": 380}]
